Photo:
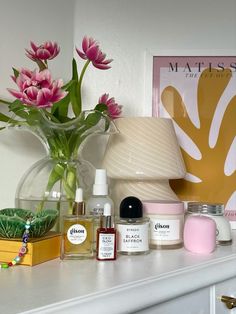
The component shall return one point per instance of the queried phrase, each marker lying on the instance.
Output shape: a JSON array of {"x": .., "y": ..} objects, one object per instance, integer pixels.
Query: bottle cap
[
  {"x": 107, "y": 209},
  {"x": 79, "y": 204},
  {"x": 79, "y": 195},
  {"x": 100, "y": 186},
  {"x": 131, "y": 207},
  {"x": 206, "y": 208},
  {"x": 106, "y": 217}
]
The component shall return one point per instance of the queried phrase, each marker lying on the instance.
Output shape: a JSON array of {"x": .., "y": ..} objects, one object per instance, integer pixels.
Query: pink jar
[
  {"x": 200, "y": 234},
  {"x": 166, "y": 223}
]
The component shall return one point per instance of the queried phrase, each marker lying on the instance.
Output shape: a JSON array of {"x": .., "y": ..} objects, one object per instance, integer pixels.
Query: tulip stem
[{"x": 80, "y": 81}]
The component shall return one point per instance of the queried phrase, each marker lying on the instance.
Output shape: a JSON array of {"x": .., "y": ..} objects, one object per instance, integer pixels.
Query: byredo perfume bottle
[
  {"x": 95, "y": 204},
  {"x": 132, "y": 228},
  {"x": 106, "y": 237},
  {"x": 77, "y": 237}
]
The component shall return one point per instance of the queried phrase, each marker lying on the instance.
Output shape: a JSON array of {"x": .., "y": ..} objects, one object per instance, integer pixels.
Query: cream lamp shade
[{"x": 142, "y": 157}]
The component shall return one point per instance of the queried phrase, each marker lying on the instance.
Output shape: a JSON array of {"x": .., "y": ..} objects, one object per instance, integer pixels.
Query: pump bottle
[{"x": 95, "y": 204}]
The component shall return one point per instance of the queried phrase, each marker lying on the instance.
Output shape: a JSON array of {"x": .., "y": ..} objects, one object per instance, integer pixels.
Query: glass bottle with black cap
[{"x": 132, "y": 228}]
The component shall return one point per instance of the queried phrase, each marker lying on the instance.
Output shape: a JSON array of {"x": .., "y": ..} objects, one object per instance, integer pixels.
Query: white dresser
[{"x": 163, "y": 282}]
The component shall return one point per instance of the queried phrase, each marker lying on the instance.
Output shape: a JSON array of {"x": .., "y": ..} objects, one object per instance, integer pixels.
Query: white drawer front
[
  {"x": 193, "y": 303},
  {"x": 228, "y": 288}
]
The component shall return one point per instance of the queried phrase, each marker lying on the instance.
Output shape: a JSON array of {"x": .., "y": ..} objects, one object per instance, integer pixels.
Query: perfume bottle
[
  {"x": 77, "y": 237},
  {"x": 95, "y": 204},
  {"x": 106, "y": 237},
  {"x": 132, "y": 228}
]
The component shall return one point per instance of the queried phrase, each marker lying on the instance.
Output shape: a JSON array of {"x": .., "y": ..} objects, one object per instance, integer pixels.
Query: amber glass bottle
[{"x": 77, "y": 238}]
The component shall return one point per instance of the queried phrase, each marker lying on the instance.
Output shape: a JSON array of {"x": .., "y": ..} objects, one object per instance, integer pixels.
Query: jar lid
[
  {"x": 131, "y": 207},
  {"x": 206, "y": 208},
  {"x": 163, "y": 207}
]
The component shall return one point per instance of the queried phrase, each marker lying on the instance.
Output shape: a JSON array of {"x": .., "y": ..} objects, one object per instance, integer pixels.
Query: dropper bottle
[
  {"x": 78, "y": 228},
  {"x": 106, "y": 237}
]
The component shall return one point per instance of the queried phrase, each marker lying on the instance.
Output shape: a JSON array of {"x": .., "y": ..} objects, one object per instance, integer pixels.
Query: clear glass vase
[{"x": 52, "y": 181}]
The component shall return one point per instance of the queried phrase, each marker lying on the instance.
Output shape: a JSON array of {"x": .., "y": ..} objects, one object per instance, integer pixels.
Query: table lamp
[{"x": 142, "y": 157}]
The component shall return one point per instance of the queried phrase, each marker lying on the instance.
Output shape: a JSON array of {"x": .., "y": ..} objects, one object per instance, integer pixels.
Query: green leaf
[
  {"x": 101, "y": 107},
  {"x": 4, "y": 118},
  {"x": 92, "y": 119},
  {"x": 67, "y": 85},
  {"x": 5, "y": 102},
  {"x": 16, "y": 72},
  {"x": 75, "y": 140},
  {"x": 33, "y": 117},
  {"x": 56, "y": 174},
  {"x": 74, "y": 98},
  {"x": 19, "y": 109},
  {"x": 74, "y": 70},
  {"x": 60, "y": 109},
  {"x": 48, "y": 114},
  {"x": 69, "y": 183}
]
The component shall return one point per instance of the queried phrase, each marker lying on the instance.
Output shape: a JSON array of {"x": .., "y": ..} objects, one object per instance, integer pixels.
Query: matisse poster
[{"x": 199, "y": 94}]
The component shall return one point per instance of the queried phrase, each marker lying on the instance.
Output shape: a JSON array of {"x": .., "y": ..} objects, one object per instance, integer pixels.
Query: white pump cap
[
  {"x": 107, "y": 209},
  {"x": 100, "y": 186}
]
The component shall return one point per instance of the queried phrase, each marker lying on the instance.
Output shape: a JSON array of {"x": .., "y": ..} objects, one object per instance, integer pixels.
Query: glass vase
[{"x": 51, "y": 182}]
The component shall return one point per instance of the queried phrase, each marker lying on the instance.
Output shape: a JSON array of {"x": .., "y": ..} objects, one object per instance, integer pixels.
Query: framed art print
[{"x": 199, "y": 94}]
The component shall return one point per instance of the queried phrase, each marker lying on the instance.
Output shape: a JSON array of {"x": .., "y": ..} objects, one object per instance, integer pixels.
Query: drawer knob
[{"x": 230, "y": 302}]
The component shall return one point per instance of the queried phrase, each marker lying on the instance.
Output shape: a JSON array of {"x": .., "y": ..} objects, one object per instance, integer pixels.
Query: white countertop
[{"x": 128, "y": 284}]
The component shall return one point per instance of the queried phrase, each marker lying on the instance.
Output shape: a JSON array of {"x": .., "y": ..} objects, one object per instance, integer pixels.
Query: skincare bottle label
[
  {"x": 133, "y": 238},
  {"x": 106, "y": 247},
  {"x": 97, "y": 211},
  {"x": 76, "y": 234},
  {"x": 165, "y": 229}
]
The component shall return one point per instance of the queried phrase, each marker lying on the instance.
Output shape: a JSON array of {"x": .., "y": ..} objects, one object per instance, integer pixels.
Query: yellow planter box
[{"x": 39, "y": 250}]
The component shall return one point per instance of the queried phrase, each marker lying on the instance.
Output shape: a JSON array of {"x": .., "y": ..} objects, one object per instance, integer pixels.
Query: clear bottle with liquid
[
  {"x": 77, "y": 235},
  {"x": 95, "y": 204}
]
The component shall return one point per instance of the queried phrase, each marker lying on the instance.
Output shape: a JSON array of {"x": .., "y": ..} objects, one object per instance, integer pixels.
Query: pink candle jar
[
  {"x": 200, "y": 234},
  {"x": 166, "y": 223}
]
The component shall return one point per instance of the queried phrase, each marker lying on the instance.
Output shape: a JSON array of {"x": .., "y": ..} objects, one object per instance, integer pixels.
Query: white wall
[
  {"x": 126, "y": 29},
  {"x": 20, "y": 22}
]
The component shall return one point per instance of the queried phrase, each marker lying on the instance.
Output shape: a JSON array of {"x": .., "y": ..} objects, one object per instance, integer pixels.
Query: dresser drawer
[
  {"x": 197, "y": 302},
  {"x": 228, "y": 288}
]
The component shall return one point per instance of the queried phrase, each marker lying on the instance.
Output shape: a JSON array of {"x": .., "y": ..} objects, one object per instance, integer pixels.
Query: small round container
[
  {"x": 200, "y": 234},
  {"x": 166, "y": 223},
  {"x": 216, "y": 212}
]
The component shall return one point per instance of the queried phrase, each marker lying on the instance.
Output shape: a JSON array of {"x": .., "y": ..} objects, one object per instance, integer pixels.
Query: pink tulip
[
  {"x": 46, "y": 51},
  {"x": 37, "y": 89},
  {"x": 92, "y": 52},
  {"x": 113, "y": 109}
]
